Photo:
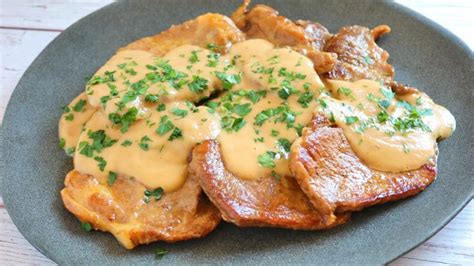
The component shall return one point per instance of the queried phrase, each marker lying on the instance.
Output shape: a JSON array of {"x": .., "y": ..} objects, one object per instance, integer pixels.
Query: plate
[{"x": 33, "y": 167}]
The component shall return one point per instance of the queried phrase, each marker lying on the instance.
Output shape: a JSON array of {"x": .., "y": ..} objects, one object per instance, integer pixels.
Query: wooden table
[{"x": 27, "y": 26}]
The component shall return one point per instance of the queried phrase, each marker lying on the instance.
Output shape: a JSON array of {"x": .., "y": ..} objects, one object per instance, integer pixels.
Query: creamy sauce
[
  {"x": 262, "y": 149},
  {"x": 75, "y": 115},
  {"x": 138, "y": 118},
  {"x": 141, "y": 153},
  {"x": 388, "y": 133}
]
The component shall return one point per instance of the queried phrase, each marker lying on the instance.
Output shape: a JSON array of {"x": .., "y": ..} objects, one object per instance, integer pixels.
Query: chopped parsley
[
  {"x": 79, "y": 106},
  {"x": 144, "y": 141},
  {"x": 228, "y": 81},
  {"x": 284, "y": 145},
  {"x": 165, "y": 126},
  {"x": 86, "y": 226},
  {"x": 160, "y": 252},
  {"x": 126, "y": 143},
  {"x": 151, "y": 98},
  {"x": 267, "y": 159},
  {"x": 212, "y": 59},
  {"x": 161, "y": 107},
  {"x": 179, "y": 112},
  {"x": 62, "y": 143},
  {"x": 351, "y": 120},
  {"x": 101, "y": 163},
  {"x": 194, "y": 57},
  {"x": 305, "y": 99},
  {"x": 412, "y": 121},
  {"x": 66, "y": 109},
  {"x": 108, "y": 77},
  {"x": 124, "y": 120},
  {"x": 131, "y": 71},
  {"x": 241, "y": 109},
  {"x": 345, "y": 91},
  {"x": 255, "y": 96},
  {"x": 111, "y": 178},
  {"x": 156, "y": 193},
  {"x": 382, "y": 116},
  {"x": 276, "y": 176},
  {"x": 286, "y": 90},
  {"x": 274, "y": 60},
  {"x": 238, "y": 124},
  {"x": 388, "y": 95},
  {"x": 279, "y": 114},
  {"x": 100, "y": 141},
  {"x": 71, "y": 151},
  {"x": 176, "y": 134},
  {"x": 191, "y": 107},
  {"x": 323, "y": 103},
  {"x": 69, "y": 117},
  {"x": 198, "y": 84}
]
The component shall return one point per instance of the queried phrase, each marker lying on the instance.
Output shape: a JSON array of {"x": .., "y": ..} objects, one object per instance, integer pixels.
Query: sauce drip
[{"x": 390, "y": 133}]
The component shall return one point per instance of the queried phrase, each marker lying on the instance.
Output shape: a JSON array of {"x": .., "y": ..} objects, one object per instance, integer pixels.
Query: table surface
[{"x": 27, "y": 26}]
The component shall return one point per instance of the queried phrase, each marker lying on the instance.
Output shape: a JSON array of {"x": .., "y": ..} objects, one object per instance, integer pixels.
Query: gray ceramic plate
[{"x": 33, "y": 167}]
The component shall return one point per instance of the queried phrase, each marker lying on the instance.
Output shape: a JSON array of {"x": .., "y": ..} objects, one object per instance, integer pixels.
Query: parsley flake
[
  {"x": 144, "y": 141},
  {"x": 111, "y": 178}
]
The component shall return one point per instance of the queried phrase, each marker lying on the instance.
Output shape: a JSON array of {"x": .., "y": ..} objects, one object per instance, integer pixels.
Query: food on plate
[
  {"x": 305, "y": 37},
  {"x": 280, "y": 123},
  {"x": 266, "y": 201},
  {"x": 117, "y": 153},
  {"x": 121, "y": 209}
]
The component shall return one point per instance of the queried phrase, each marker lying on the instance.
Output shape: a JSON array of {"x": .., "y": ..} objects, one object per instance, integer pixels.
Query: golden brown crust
[
  {"x": 120, "y": 209},
  {"x": 358, "y": 56},
  {"x": 262, "y": 202},
  {"x": 208, "y": 28},
  {"x": 336, "y": 180},
  {"x": 180, "y": 215},
  {"x": 303, "y": 36}
]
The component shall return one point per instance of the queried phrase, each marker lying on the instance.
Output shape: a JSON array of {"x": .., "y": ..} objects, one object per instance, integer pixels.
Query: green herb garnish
[
  {"x": 144, "y": 141},
  {"x": 111, "y": 178},
  {"x": 86, "y": 226},
  {"x": 156, "y": 193}
]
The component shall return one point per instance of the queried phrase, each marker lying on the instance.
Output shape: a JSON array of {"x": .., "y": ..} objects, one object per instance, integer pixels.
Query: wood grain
[{"x": 27, "y": 26}]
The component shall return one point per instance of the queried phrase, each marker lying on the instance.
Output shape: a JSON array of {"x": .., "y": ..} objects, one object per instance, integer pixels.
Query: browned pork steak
[
  {"x": 358, "y": 56},
  {"x": 337, "y": 181},
  {"x": 306, "y": 37},
  {"x": 121, "y": 210},
  {"x": 262, "y": 202}
]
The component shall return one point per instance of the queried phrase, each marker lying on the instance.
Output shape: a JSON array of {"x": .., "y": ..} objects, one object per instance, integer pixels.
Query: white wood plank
[
  {"x": 455, "y": 16},
  {"x": 18, "y": 48},
  {"x": 454, "y": 244},
  {"x": 51, "y": 15},
  {"x": 14, "y": 249}
]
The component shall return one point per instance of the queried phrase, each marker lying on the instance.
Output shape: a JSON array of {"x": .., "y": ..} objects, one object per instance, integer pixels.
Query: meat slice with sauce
[
  {"x": 121, "y": 210},
  {"x": 337, "y": 181},
  {"x": 306, "y": 37},
  {"x": 258, "y": 202},
  {"x": 359, "y": 57}
]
